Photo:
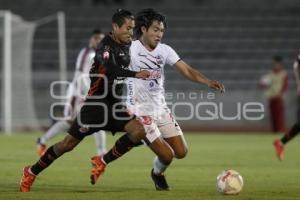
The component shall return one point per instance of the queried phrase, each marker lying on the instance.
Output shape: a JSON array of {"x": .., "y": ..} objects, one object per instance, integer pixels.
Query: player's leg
[
  {"x": 52, "y": 153},
  {"x": 133, "y": 137},
  {"x": 173, "y": 136},
  {"x": 161, "y": 148},
  {"x": 153, "y": 139},
  {"x": 164, "y": 157},
  {"x": 76, "y": 135},
  {"x": 135, "y": 133},
  {"x": 100, "y": 140},
  {"x": 279, "y": 144},
  {"x": 58, "y": 127}
]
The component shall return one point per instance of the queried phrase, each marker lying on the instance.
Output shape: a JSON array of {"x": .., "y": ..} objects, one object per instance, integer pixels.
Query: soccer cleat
[
  {"x": 98, "y": 168},
  {"x": 160, "y": 181},
  {"x": 279, "y": 147},
  {"x": 27, "y": 180},
  {"x": 41, "y": 148}
]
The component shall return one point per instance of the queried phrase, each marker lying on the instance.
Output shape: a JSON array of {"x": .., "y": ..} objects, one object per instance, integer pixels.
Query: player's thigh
[
  {"x": 93, "y": 116},
  {"x": 79, "y": 131},
  {"x": 65, "y": 145},
  {"x": 134, "y": 129},
  {"x": 173, "y": 135}
]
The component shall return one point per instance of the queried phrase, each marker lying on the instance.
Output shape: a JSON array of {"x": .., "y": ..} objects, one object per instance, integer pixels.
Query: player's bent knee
[
  {"x": 166, "y": 159},
  {"x": 181, "y": 154}
]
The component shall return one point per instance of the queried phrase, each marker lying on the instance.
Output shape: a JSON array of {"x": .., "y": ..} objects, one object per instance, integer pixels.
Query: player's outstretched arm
[{"x": 196, "y": 76}]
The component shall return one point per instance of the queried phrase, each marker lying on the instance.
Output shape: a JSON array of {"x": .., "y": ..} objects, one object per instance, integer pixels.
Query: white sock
[
  {"x": 55, "y": 129},
  {"x": 100, "y": 139},
  {"x": 158, "y": 166}
]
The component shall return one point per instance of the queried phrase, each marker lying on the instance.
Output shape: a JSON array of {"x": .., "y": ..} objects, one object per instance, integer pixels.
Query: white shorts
[{"x": 165, "y": 126}]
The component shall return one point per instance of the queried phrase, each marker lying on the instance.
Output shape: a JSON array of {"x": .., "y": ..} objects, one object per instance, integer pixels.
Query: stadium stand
[{"x": 231, "y": 42}]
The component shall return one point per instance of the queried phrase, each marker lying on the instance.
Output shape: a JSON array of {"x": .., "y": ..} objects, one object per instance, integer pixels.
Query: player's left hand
[{"x": 216, "y": 85}]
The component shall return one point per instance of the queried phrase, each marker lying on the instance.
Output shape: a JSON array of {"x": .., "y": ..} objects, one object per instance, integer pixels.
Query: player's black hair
[
  {"x": 96, "y": 31},
  {"x": 145, "y": 18},
  {"x": 120, "y": 16},
  {"x": 277, "y": 58}
]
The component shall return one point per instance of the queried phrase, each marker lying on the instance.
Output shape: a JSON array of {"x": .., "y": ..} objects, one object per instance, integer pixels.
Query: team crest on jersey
[
  {"x": 105, "y": 55},
  {"x": 159, "y": 59}
]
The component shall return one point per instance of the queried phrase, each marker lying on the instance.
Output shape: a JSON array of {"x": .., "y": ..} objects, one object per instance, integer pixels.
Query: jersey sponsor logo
[
  {"x": 155, "y": 74},
  {"x": 105, "y": 55}
]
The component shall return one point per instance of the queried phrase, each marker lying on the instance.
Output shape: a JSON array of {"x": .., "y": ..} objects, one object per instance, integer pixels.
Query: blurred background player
[
  {"x": 275, "y": 84},
  {"x": 280, "y": 143},
  {"x": 76, "y": 93},
  {"x": 146, "y": 98}
]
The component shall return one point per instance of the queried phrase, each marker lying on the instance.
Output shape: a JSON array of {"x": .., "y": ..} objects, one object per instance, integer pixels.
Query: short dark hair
[
  {"x": 120, "y": 16},
  {"x": 96, "y": 31},
  {"x": 277, "y": 58},
  {"x": 145, "y": 18}
]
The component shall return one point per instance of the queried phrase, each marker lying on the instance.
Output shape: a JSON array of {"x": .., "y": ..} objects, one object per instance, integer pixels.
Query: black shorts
[{"x": 98, "y": 115}]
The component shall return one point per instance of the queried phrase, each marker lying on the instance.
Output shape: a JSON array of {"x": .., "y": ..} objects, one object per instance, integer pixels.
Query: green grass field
[{"x": 128, "y": 178}]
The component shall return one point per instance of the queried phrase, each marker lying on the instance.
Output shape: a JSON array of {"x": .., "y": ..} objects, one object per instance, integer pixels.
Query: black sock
[
  {"x": 291, "y": 134},
  {"x": 44, "y": 161},
  {"x": 122, "y": 146}
]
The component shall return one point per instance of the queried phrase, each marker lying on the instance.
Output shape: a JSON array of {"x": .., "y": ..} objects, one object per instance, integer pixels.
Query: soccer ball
[{"x": 229, "y": 182}]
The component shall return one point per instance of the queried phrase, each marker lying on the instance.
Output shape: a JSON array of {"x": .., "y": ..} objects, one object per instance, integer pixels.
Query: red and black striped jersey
[{"x": 110, "y": 65}]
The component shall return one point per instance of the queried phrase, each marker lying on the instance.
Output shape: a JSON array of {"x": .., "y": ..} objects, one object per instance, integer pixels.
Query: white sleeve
[
  {"x": 79, "y": 60},
  {"x": 73, "y": 91},
  {"x": 172, "y": 57}
]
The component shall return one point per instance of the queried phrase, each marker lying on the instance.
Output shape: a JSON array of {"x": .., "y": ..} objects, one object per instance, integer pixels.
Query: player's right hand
[
  {"x": 144, "y": 74},
  {"x": 216, "y": 85}
]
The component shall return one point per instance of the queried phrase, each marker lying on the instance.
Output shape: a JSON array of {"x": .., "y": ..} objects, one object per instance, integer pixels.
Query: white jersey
[
  {"x": 80, "y": 84},
  {"x": 81, "y": 81},
  {"x": 146, "y": 97}
]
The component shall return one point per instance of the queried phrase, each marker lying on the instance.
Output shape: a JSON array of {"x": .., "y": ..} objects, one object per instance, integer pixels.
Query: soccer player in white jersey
[
  {"x": 77, "y": 90},
  {"x": 145, "y": 98}
]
